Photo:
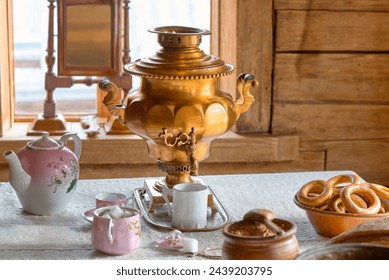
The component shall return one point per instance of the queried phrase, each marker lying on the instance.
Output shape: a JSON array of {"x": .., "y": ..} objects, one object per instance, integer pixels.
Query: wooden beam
[
  {"x": 353, "y": 5},
  {"x": 321, "y": 122},
  {"x": 332, "y": 31},
  {"x": 347, "y": 78},
  {"x": 246, "y": 41},
  {"x": 307, "y": 161}
]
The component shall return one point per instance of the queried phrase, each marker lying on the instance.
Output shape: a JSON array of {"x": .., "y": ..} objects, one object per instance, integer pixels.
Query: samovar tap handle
[
  {"x": 244, "y": 83},
  {"x": 110, "y": 99}
]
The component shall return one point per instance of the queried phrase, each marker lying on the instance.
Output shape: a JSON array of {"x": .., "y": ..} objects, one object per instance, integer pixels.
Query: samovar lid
[{"x": 180, "y": 57}]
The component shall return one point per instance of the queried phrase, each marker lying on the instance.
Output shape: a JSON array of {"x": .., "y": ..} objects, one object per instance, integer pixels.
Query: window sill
[{"x": 112, "y": 151}]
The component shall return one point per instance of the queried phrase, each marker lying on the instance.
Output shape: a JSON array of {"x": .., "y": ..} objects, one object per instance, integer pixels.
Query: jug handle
[
  {"x": 77, "y": 142},
  {"x": 244, "y": 83},
  {"x": 109, "y": 231},
  {"x": 110, "y": 99},
  {"x": 166, "y": 192}
]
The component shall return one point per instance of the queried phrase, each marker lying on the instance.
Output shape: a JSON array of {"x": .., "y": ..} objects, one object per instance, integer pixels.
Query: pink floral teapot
[{"x": 44, "y": 173}]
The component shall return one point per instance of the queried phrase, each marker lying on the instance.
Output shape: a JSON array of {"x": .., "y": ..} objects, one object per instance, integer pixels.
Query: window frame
[
  {"x": 7, "y": 87},
  {"x": 227, "y": 24}
]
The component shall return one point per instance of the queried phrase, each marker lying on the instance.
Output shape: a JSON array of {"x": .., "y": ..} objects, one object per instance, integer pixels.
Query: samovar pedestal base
[{"x": 157, "y": 201}]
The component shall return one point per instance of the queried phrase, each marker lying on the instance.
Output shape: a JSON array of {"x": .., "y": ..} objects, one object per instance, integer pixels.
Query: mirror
[
  {"x": 90, "y": 45},
  {"x": 86, "y": 25}
]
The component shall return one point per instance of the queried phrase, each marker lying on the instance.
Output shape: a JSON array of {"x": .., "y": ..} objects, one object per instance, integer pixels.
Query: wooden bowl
[
  {"x": 373, "y": 232},
  {"x": 349, "y": 251},
  {"x": 331, "y": 224}
]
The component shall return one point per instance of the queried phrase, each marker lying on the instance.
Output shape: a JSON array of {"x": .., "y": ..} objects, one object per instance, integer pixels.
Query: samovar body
[{"x": 179, "y": 107}]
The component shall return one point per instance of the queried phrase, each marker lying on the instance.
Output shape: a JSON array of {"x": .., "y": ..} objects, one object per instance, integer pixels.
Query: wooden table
[{"x": 68, "y": 235}]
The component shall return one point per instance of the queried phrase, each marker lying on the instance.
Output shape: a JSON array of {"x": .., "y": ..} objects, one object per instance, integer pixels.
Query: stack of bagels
[{"x": 344, "y": 194}]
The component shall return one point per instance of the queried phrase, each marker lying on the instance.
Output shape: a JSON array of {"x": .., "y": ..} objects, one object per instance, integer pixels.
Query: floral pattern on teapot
[{"x": 68, "y": 173}]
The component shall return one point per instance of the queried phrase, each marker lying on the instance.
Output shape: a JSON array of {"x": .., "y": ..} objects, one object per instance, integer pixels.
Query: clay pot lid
[
  {"x": 180, "y": 57},
  {"x": 45, "y": 143},
  {"x": 260, "y": 224}
]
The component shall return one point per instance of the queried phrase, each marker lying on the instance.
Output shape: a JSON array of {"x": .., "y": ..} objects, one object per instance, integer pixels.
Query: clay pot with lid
[{"x": 254, "y": 238}]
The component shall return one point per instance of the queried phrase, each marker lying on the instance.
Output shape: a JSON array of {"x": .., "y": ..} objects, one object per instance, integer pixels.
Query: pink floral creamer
[
  {"x": 116, "y": 236},
  {"x": 45, "y": 173}
]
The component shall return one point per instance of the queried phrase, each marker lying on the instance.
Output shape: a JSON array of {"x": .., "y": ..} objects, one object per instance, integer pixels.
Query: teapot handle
[{"x": 77, "y": 142}]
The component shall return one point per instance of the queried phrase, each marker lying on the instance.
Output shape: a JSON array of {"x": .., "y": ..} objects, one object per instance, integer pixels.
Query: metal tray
[{"x": 217, "y": 218}]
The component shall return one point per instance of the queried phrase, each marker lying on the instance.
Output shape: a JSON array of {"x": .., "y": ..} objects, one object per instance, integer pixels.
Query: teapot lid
[{"x": 45, "y": 143}]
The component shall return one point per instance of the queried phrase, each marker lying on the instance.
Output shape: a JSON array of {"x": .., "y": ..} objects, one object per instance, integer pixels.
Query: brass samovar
[{"x": 179, "y": 108}]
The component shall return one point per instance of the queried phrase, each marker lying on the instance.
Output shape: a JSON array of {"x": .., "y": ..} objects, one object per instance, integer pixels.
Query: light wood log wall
[
  {"x": 331, "y": 81},
  {"x": 322, "y": 103}
]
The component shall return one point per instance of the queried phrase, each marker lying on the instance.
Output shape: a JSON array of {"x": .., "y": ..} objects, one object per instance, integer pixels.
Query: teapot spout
[
  {"x": 19, "y": 178},
  {"x": 244, "y": 83}
]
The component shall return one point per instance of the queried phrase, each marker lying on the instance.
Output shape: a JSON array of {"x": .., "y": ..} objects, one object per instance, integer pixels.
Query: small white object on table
[{"x": 68, "y": 235}]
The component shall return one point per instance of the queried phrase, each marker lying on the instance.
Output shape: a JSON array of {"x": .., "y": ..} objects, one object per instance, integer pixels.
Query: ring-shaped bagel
[
  {"x": 324, "y": 208},
  {"x": 337, "y": 189},
  {"x": 381, "y": 191},
  {"x": 335, "y": 204},
  {"x": 344, "y": 179},
  {"x": 313, "y": 186},
  {"x": 359, "y": 200},
  {"x": 374, "y": 203}
]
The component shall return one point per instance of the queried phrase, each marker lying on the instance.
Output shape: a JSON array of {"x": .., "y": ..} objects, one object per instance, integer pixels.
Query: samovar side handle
[
  {"x": 110, "y": 99},
  {"x": 244, "y": 83}
]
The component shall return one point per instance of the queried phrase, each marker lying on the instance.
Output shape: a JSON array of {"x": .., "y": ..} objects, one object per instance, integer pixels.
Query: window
[{"x": 30, "y": 43}]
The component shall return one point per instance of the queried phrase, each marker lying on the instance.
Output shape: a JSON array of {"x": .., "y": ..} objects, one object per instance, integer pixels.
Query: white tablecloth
[{"x": 68, "y": 235}]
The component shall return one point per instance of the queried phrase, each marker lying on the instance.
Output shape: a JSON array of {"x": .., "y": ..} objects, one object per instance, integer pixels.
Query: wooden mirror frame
[
  {"x": 64, "y": 66},
  {"x": 55, "y": 123}
]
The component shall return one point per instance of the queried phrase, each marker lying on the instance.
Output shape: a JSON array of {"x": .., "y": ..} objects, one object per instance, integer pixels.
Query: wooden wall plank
[
  {"x": 307, "y": 161},
  {"x": 245, "y": 29},
  {"x": 227, "y": 30},
  {"x": 255, "y": 56},
  {"x": 131, "y": 149},
  {"x": 357, "y": 5},
  {"x": 321, "y": 122},
  {"x": 229, "y": 148},
  {"x": 369, "y": 158},
  {"x": 332, "y": 31},
  {"x": 252, "y": 148},
  {"x": 331, "y": 77}
]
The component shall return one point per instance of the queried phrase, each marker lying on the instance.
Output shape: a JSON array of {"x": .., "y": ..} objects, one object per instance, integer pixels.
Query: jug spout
[
  {"x": 244, "y": 83},
  {"x": 19, "y": 178}
]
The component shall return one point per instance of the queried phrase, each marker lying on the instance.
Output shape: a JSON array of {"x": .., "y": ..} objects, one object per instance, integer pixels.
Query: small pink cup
[
  {"x": 118, "y": 236},
  {"x": 110, "y": 199}
]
